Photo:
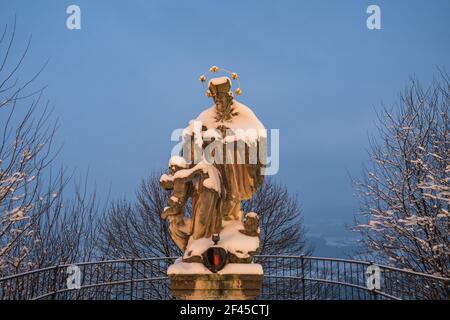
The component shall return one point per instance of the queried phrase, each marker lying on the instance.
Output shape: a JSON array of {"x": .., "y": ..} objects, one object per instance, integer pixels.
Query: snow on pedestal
[
  {"x": 231, "y": 239},
  {"x": 236, "y": 281},
  {"x": 180, "y": 267}
]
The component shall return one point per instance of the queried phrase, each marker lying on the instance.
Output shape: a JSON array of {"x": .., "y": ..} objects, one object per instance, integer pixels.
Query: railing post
[
  {"x": 17, "y": 291},
  {"x": 132, "y": 279},
  {"x": 55, "y": 281},
  {"x": 374, "y": 294},
  {"x": 303, "y": 276}
]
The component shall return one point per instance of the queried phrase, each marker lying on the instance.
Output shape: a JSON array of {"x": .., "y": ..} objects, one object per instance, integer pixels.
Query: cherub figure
[
  {"x": 206, "y": 191},
  {"x": 181, "y": 189}
]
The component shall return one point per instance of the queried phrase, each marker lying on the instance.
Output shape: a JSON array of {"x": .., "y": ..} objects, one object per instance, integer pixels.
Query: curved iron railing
[
  {"x": 285, "y": 277},
  {"x": 317, "y": 278}
]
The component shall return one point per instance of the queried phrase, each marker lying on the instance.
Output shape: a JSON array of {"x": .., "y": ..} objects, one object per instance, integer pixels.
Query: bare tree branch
[{"x": 405, "y": 194}]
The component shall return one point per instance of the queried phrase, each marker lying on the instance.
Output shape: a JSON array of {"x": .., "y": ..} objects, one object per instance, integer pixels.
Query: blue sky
[{"x": 122, "y": 83}]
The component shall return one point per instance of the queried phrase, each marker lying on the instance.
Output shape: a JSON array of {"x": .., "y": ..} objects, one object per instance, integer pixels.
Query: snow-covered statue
[{"x": 221, "y": 165}]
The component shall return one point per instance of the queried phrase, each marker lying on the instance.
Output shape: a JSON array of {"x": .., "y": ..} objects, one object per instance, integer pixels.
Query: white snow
[
  {"x": 178, "y": 161},
  {"x": 242, "y": 268},
  {"x": 236, "y": 242},
  {"x": 165, "y": 178},
  {"x": 230, "y": 239},
  {"x": 17, "y": 214},
  {"x": 212, "y": 133},
  {"x": 199, "y": 268},
  {"x": 212, "y": 182},
  {"x": 251, "y": 215},
  {"x": 245, "y": 124},
  {"x": 187, "y": 268},
  {"x": 197, "y": 247}
]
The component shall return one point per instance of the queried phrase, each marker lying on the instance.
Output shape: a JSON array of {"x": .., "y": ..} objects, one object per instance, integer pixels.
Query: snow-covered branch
[{"x": 406, "y": 191}]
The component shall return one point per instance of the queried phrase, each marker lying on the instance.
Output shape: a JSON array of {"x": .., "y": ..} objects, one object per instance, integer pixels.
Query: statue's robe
[
  {"x": 206, "y": 212},
  {"x": 239, "y": 181}
]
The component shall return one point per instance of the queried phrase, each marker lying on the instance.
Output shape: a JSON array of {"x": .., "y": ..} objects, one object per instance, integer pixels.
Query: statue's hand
[
  {"x": 167, "y": 212},
  {"x": 166, "y": 182}
]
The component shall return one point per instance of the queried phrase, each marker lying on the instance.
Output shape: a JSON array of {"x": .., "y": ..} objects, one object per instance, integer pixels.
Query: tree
[
  {"x": 281, "y": 220},
  {"x": 136, "y": 230},
  {"x": 406, "y": 190},
  {"x": 38, "y": 225}
]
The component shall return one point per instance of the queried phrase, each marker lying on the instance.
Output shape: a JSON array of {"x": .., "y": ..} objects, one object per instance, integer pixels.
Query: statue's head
[
  {"x": 220, "y": 90},
  {"x": 177, "y": 163}
]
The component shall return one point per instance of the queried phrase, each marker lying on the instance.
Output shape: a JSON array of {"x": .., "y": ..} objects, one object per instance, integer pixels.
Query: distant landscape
[{"x": 328, "y": 229}]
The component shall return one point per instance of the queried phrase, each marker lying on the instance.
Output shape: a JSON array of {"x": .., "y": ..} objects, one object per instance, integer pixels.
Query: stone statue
[{"x": 221, "y": 165}]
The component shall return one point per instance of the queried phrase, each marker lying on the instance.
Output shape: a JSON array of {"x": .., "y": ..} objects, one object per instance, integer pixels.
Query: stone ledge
[{"x": 216, "y": 286}]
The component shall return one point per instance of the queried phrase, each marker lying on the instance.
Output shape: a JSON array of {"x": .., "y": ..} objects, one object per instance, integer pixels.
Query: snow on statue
[{"x": 221, "y": 164}]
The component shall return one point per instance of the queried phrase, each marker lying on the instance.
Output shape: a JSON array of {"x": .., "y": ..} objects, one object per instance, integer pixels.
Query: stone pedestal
[{"x": 216, "y": 286}]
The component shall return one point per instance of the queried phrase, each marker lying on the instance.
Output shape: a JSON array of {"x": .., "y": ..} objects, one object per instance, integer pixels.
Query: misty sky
[{"x": 122, "y": 83}]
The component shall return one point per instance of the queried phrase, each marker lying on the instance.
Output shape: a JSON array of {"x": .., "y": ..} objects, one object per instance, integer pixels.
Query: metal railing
[
  {"x": 285, "y": 277},
  {"x": 317, "y": 278}
]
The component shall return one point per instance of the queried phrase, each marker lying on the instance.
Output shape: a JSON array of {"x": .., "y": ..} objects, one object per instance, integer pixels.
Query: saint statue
[{"x": 221, "y": 164}]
